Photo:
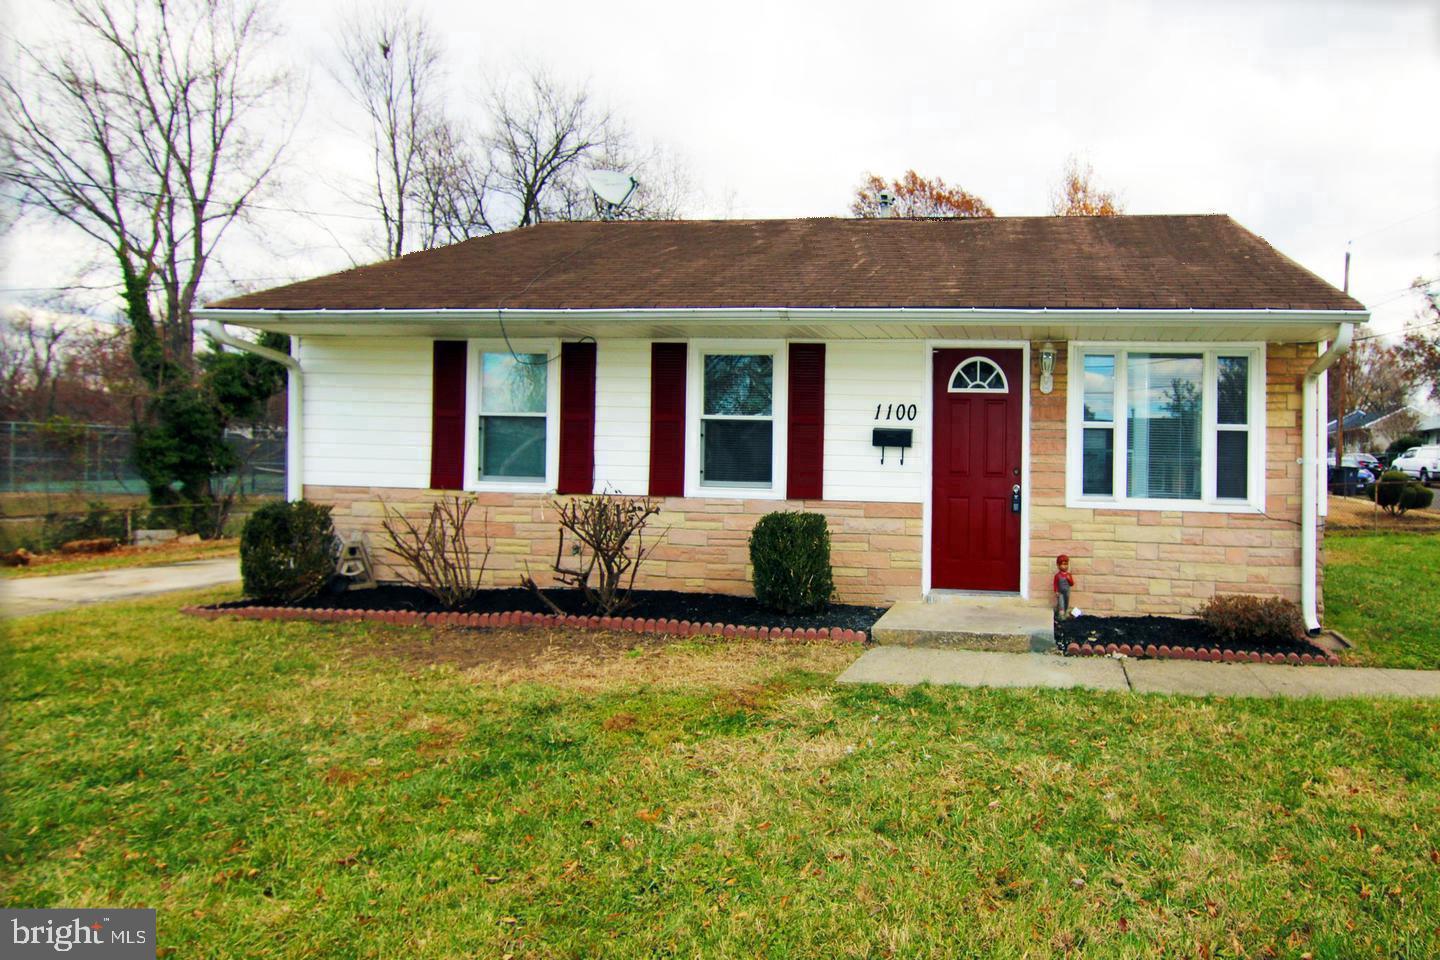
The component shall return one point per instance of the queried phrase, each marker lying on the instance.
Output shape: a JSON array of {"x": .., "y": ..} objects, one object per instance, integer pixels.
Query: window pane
[
  {"x": 1163, "y": 414},
  {"x": 1232, "y": 449},
  {"x": 1234, "y": 389},
  {"x": 737, "y": 451},
  {"x": 738, "y": 385},
  {"x": 512, "y": 447},
  {"x": 510, "y": 385},
  {"x": 1098, "y": 462},
  {"x": 1099, "y": 388}
]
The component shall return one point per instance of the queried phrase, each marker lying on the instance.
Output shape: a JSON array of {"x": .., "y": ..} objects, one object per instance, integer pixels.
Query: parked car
[
  {"x": 1366, "y": 461},
  {"x": 1422, "y": 463}
]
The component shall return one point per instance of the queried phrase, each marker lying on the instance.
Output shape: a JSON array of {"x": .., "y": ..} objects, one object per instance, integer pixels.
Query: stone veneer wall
[
  {"x": 1142, "y": 561},
  {"x": 875, "y": 546}
]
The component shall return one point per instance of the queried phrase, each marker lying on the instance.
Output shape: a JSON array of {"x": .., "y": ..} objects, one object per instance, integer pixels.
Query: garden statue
[{"x": 1064, "y": 580}]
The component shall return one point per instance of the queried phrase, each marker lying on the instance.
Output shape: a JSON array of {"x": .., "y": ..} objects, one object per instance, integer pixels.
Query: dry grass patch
[
  {"x": 1353, "y": 513},
  {"x": 597, "y": 660}
]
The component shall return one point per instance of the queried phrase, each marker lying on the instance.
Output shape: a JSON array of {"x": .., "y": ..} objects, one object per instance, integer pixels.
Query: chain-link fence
[{"x": 95, "y": 459}]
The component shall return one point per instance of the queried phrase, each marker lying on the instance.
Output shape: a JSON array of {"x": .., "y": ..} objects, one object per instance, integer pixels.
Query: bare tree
[
  {"x": 1376, "y": 380},
  {"x": 540, "y": 135},
  {"x": 392, "y": 69},
  {"x": 149, "y": 127},
  {"x": 30, "y": 355},
  {"x": 454, "y": 183}
]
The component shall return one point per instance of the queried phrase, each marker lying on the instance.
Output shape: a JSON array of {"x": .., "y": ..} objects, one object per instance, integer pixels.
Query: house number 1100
[{"x": 896, "y": 411}]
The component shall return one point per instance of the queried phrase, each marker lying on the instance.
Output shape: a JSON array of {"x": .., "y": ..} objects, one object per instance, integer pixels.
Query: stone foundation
[{"x": 875, "y": 547}]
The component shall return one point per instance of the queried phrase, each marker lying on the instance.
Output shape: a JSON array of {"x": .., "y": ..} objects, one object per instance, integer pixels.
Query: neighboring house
[
  {"x": 964, "y": 399},
  {"x": 1429, "y": 428},
  {"x": 1373, "y": 432}
]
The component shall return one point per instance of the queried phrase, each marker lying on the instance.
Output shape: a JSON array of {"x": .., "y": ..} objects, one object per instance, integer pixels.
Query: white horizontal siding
[
  {"x": 367, "y": 411},
  {"x": 622, "y": 416},
  {"x": 857, "y": 377}
]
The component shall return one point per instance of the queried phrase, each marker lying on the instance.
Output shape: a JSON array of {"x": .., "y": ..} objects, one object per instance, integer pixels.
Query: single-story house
[
  {"x": 1373, "y": 432},
  {"x": 963, "y": 399},
  {"x": 1429, "y": 428}
]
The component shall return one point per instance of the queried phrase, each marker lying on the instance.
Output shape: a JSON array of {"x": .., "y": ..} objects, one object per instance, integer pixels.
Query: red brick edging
[
  {"x": 679, "y": 628},
  {"x": 1209, "y": 654}
]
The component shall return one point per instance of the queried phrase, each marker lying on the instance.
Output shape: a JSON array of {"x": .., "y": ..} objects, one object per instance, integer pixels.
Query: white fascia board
[{"x": 960, "y": 315}]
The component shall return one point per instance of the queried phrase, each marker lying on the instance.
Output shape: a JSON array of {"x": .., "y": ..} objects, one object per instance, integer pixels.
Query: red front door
[{"x": 975, "y": 532}]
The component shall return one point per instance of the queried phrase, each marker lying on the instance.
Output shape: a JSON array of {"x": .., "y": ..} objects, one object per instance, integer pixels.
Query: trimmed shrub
[
  {"x": 1416, "y": 497},
  {"x": 1260, "y": 621},
  {"x": 287, "y": 551},
  {"x": 790, "y": 552},
  {"x": 1397, "y": 492}
]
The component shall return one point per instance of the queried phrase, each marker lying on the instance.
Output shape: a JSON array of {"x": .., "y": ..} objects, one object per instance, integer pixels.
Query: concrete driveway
[{"x": 21, "y": 597}]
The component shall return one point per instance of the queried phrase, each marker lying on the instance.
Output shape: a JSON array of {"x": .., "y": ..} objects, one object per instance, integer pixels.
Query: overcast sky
[{"x": 1312, "y": 123}]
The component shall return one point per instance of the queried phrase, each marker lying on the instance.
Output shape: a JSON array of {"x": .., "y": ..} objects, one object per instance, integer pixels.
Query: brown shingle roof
[{"x": 1142, "y": 262}]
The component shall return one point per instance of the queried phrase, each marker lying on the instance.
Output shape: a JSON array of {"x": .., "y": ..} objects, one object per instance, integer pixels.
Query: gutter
[
  {"x": 1309, "y": 441},
  {"x": 294, "y": 387},
  {"x": 769, "y": 314}
]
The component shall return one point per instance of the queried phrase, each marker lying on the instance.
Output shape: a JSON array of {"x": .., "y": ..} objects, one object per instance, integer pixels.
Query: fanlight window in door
[{"x": 978, "y": 375}]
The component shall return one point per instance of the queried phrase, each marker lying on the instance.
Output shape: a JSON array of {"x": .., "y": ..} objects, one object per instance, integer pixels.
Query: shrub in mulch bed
[
  {"x": 654, "y": 611},
  {"x": 1175, "y": 638}
]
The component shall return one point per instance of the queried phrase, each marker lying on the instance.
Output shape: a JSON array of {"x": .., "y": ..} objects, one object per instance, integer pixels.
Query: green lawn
[
  {"x": 292, "y": 790},
  {"x": 1382, "y": 590}
]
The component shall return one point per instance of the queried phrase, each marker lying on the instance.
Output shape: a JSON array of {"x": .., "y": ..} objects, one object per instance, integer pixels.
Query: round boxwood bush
[
  {"x": 286, "y": 551},
  {"x": 1417, "y": 497},
  {"x": 1397, "y": 492},
  {"x": 790, "y": 552}
]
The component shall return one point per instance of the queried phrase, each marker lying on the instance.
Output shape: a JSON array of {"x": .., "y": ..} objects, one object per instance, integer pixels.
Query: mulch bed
[
  {"x": 1177, "y": 638},
  {"x": 653, "y": 611}
]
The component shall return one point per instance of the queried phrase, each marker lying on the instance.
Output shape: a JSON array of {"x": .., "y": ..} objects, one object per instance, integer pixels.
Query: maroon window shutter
[
  {"x": 805, "y": 459},
  {"x": 447, "y": 416},
  {"x": 577, "y": 418},
  {"x": 667, "y": 419}
]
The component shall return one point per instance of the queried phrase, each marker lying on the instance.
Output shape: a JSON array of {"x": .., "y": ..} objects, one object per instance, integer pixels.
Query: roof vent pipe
[{"x": 886, "y": 200}]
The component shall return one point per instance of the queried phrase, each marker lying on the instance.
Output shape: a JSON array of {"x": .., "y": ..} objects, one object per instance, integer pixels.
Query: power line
[{"x": 1398, "y": 333}]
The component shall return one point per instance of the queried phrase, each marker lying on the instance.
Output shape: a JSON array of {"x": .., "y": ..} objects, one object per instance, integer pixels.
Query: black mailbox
[{"x": 890, "y": 437}]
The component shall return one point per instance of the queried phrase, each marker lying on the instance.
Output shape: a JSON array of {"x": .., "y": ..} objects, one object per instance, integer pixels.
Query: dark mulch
[
  {"x": 1173, "y": 631},
  {"x": 657, "y": 604}
]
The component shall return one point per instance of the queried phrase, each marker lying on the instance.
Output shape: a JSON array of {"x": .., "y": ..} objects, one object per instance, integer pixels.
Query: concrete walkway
[
  {"x": 973, "y": 668},
  {"x": 27, "y": 595}
]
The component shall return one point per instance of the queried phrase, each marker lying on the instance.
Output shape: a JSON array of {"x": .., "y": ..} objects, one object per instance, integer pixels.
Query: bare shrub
[
  {"x": 1243, "y": 619},
  {"x": 439, "y": 559},
  {"x": 610, "y": 530}
]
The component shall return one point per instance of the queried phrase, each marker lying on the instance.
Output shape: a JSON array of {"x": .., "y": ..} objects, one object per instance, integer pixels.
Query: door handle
[{"x": 1015, "y": 498}]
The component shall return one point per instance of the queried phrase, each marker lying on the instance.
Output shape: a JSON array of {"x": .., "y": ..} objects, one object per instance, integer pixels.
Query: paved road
[
  {"x": 972, "y": 668},
  {"x": 29, "y": 595}
]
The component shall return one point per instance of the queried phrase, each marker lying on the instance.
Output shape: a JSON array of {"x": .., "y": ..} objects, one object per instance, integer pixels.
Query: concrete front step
[{"x": 970, "y": 623}]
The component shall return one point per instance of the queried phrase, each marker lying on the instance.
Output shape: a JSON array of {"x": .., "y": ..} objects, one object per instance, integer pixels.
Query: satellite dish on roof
[{"x": 612, "y": 189}]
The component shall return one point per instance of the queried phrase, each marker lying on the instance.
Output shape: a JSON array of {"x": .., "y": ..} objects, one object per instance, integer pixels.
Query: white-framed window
[
  {"x": 1167, "y": 426},
  {"x": 512, "y": 415},
  {"x": 737, "y": 427}
]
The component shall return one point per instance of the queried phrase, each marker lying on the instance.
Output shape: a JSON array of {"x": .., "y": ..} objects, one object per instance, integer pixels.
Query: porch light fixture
[{"x": 1047, "y": 368}]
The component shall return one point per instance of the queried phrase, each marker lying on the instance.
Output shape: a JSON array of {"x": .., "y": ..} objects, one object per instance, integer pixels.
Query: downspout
[
  {"x": 294, "y": 386},
  {"x": 1309, "y": 521}
]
